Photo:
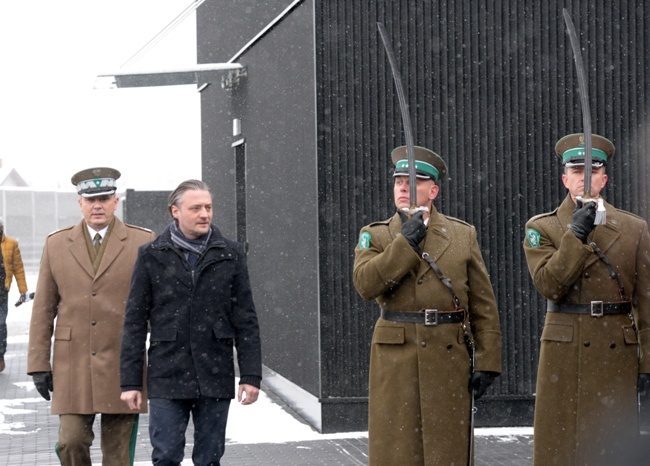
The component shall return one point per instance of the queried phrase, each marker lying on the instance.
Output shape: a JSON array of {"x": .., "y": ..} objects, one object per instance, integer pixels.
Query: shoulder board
[
  {"x": 545, "y": 214},
  {"x": 380, "y": 222},
  {"x": 630, "y": 214},
  {"x": 60, "y": 230},
  {"x": 454, "y": 219},
  {"x": 137, "y": 227}
]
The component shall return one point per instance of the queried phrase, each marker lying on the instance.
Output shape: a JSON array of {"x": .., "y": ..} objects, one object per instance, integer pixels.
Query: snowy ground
[{"x": 263, "y": 422}]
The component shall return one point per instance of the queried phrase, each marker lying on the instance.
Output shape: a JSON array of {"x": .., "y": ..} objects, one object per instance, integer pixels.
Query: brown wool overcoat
[
  {"x": 586, "y": 398},
  {"x": 89, "y": 312},
  {"x": 419, "y": 402}
]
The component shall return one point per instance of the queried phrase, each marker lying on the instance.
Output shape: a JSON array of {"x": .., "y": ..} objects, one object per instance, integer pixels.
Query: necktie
[{"x": 97, "y": 242}]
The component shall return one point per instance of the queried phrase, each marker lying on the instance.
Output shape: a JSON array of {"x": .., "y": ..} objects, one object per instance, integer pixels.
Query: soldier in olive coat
[
  {"x": 420, "y": 399},
  {"x": 80, "y": 301},
  {"x": 596, "y": 280}
]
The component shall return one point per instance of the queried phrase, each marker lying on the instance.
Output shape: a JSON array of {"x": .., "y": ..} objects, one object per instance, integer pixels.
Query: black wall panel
[
  {"x": 275, "y": 105},
  {"x": 491, "y": 87}
]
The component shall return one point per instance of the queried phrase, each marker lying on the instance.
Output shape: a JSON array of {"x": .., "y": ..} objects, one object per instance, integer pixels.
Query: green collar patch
[
  {"x": 364, "y": 240},
  {"x": 532, "y": 236}
]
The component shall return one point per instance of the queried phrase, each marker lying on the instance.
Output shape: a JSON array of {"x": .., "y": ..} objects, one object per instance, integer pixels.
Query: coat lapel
[
  {"x": 606, "y": 235},
  {"x": 114, "y": 247},
  {"x": 436, "y": 242},
  {"x": 78, "y": 248}
]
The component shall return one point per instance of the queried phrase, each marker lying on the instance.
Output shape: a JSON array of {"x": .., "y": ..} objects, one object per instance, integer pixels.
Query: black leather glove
[
  {"x": 414, "y": 230},
  {"x": 643, "y": 384},
  {"x": 583, "y": 218},
  {"x": 480, "y": 381},
  {"x": 43, "y": 383}
]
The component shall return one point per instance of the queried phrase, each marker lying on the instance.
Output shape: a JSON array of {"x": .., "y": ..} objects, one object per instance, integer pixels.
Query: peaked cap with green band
[
  {"x": 93, "y": 182},
  {"x": 428, "y": 164},
  {"x": 571, "y": 150}
]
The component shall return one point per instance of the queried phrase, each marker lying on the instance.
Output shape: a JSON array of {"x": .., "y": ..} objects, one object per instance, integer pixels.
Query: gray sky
[{"x": 53, "y": 123}]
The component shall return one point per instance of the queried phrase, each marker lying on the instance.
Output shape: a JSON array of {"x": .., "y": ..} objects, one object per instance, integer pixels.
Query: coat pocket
[
  {"x": 388, "y": 336},
  {"x": 558, "y": 332},
  {"x": 630, "y": 336},
  {"x": 63, "y": 333},
  {"x": 221, "y": 333},
  {"x": 163, "y": 334}
]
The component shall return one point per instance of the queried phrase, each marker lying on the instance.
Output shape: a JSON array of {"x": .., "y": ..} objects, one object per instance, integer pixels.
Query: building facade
[{"x": 296, "y": 148}]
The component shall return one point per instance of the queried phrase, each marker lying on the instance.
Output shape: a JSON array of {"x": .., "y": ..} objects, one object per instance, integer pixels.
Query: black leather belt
[
  {"x": 594, "y": 308},
  {"x": 425, "y": 316}
]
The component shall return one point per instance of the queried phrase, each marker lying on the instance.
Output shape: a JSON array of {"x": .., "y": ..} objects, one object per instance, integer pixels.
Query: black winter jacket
[{"x": 194, "y": 317}]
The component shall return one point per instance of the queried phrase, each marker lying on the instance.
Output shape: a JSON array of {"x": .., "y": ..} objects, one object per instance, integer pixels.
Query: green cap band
[
  {"x": 426, "y": 169},
  {"x": 579, "y": 153}
]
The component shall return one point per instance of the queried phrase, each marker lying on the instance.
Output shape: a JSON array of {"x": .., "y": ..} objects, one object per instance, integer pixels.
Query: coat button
[
  {"x": 612, "y": 345},
  {"x": 586, "y": 274},
  {"x": 587, "y": 343},
  {"x": 94, "y": 322},
  {"x": 94, "y": 293},
  {"x": 423, "y": 344},
  {"x": 420, "y": 281},
  {"x": 94, "y": 353}
]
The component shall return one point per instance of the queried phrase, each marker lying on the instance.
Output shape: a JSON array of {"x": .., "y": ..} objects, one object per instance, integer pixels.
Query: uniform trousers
[
  {"x": 118, "y": 437},
  {"x": 168, "y": 421},
  {"x": 4, "y": 311}
]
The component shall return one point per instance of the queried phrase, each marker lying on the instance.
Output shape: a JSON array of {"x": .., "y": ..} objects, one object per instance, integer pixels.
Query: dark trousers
[
  {"x": 168, "y": 421},
  {"x": 4, "y": 310},
  {"x": 118, "y": 436}
]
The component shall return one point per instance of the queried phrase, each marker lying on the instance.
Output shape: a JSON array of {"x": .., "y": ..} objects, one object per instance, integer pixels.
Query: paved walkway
[
  {"x": 267, "y": 433},
  {"x": 28, "y": 433}
]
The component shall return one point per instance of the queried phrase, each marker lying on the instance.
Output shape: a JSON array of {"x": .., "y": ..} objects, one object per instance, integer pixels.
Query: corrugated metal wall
[{"x": 492, "y": 87}]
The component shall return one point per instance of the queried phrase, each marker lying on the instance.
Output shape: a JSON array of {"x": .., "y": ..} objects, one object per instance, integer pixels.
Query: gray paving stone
[{"x": 28, "y": 433}]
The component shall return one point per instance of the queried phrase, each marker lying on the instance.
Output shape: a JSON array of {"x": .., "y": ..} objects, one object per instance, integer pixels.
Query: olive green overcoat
[
  {"x": 84, "y": 312},
  {"x": 419, "y": 402},
  {"x": 586, "y": 398}
]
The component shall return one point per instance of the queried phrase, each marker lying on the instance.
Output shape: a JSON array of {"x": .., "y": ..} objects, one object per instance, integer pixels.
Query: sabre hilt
[
  {"x": 413, "y": 211},
  {"x": 601, "y": 212}
]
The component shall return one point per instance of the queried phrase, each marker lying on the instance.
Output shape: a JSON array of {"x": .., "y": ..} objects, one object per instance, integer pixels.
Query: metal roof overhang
[{"x": 229, "y": 74}]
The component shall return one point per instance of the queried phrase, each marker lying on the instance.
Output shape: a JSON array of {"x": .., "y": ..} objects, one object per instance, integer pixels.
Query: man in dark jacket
[{"x": 191, "y": 288}]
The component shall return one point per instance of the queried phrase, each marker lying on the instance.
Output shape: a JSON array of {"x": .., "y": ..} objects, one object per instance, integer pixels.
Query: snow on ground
[{"x": 262, "y": 422}]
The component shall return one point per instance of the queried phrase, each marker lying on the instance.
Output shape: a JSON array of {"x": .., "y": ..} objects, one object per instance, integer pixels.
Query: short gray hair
[{"x": 177, "y": 194}]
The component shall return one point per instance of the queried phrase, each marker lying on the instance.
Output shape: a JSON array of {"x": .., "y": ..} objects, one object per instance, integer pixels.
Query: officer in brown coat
[
  {"x": 81, "y": 293},
  {"x": 596, "y": 280},
  {"x": 420, "y": 382}
]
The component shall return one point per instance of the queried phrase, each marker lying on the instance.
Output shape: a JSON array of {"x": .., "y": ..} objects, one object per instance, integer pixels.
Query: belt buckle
[
  {"x": 431, "y": 317},
  {"x": 596, "y": 309}
]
